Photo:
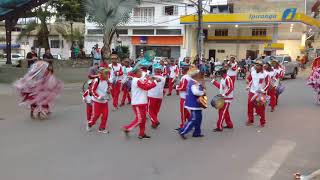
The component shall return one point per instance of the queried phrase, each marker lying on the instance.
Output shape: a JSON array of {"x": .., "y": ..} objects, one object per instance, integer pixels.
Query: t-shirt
[
  {"x": 48, "y": 58},
  {"x": 31, "y": 55}
]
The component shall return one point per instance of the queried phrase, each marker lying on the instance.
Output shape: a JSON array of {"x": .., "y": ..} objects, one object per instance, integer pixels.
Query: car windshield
[{"x": 268, "y": 58}]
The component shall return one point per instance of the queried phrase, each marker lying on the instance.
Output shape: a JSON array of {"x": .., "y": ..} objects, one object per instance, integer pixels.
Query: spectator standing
[
  {"x": 32, "y": 56},
  {"x": 47, "y": 56},
  {"x": 96, "y": 52}
]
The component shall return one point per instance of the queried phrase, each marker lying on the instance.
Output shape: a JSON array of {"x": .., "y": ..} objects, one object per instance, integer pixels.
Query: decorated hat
[
  {"x": 259, "y": 62},
  {"x": 149, "y": 55},
  {"x": 144, "y": 63},
  {"x": 157, "y": 66},
  {"x": 193, "y": 70}
]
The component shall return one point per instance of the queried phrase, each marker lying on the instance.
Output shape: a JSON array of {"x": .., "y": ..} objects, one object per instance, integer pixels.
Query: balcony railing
[{"x": 142, "y": 19}]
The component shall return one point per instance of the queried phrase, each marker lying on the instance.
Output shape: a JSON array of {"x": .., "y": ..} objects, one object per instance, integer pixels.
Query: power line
[
  {"x": 171, "y": 20},
  {"x": 173, "y": 3}
]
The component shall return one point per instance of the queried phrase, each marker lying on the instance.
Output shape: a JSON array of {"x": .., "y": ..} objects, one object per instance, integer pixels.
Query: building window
[
  {"x": 168, "y": 31},
  {"x": 94, "y": 31},
  {"x": 221, "y": 51},
  {"x": 221, "y": 32},
  {"x": 259, "y": 32},
  {"x": 143, "y": 15},
  {"x": 221, "y": 9},
  {"x": 143, "y": 31},
  {"x": 170, "y": 10},
  {"x": 36, "y": 43},
  {"x": 55, "y": 44},
  {"x": 122, "y": 31}
]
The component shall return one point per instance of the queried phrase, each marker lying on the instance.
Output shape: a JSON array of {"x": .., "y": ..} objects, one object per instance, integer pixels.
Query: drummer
[{"x": 226, "y": 92}]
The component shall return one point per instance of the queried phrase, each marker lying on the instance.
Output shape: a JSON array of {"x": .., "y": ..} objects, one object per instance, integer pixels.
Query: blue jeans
[{"x": 194, "y": 122}]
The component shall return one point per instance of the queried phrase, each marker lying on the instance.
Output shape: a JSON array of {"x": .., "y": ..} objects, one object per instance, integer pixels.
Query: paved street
[{"x": 61, "y": 149}]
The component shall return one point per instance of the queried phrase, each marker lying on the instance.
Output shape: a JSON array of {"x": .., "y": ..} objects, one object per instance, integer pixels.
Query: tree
[
  {"x": 109, "y": 14},
  {"x": 76, "y": 34}
]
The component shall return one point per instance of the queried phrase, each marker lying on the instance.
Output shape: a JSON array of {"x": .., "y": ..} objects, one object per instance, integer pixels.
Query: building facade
[
  {"x": 252, "y": 28},
  {"x": 153, "y": 25}
]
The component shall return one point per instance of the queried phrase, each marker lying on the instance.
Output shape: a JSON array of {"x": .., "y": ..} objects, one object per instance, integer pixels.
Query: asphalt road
[{"x": 61, "y": 149}]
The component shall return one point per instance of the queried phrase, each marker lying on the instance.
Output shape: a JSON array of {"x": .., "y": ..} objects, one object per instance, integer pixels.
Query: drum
[
  {"x": 86, "y": 85},
  {"x": 128, "y": 84},
  {"x": 280, "y": 89},
  {"x": 261, "y": 100},
  {"x": 203, "y": 100},
  {"x": 217, "y": 102}
]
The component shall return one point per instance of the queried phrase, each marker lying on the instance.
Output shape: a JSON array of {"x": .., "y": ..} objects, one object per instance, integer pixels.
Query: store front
[
  {"x": 164, "y": 46},
  {"x": 250, "y": 34}
]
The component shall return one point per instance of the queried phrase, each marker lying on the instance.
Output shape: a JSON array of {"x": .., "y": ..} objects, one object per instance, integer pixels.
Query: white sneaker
[
  {"x": 88, "y": 128},
  {"x": 105, "y": 131}
]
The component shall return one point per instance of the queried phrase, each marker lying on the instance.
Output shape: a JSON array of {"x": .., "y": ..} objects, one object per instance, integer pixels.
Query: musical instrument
[
  {"x": 217, "y": 102},
  {"x": 203, "y": 100},
  {"x": 261, "y": 99},
  {"x": 280, "y": 89}
]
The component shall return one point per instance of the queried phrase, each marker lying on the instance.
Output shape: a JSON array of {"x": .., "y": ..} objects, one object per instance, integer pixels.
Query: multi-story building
[
  {"x": 154, "y": 25},
  {"x": 252, "y": 28}
]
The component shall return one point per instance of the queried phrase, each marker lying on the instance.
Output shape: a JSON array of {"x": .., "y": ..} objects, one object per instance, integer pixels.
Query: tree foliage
[
  {"x": 65, "y": 31},
  {"x": 109, "y": 14},
  {"x": 71, "y": 10}
]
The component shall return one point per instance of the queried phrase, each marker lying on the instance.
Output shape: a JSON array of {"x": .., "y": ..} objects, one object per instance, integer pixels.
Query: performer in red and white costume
[
  {"x": 116, "y": 76},
  {"x": 100, "y": 95},
  {"x": 271, "y": 92},
  {"x": 155, "y": 96},
  {"x": 87, "y": 98},
  {"x": 139, "y": 92},
  {"x": 259, "y": 82},
  {"x": 182, "y": 88},
  {"x": 279, "y": 71},
  {"x": 173, "y": 75},
  {"x": 233, "y": 67},
  {"x": 125, "y": 83},
  {"x": 226, "y": 91}
]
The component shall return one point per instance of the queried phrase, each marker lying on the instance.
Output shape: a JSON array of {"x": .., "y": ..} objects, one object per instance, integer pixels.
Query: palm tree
[
  {"x": 76, "y": 34},
  {"x": 109, "y": 14}
]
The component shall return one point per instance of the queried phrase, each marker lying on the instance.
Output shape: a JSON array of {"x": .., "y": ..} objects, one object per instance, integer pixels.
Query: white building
[{"x": 154, "y": 25}]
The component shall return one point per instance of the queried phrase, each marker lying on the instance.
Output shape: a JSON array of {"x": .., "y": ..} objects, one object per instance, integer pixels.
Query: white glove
[{"x": 213, "y": 80}]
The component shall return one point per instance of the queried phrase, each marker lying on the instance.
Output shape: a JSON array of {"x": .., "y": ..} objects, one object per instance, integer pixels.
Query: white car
[{"x": 15, "y": 58}]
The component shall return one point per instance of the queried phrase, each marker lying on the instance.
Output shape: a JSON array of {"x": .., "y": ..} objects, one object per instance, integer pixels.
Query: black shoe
[
  {"x": 182, "y": 137},
  {"x": 122, "y": 104},
  {"x": 217, "y": 130},
  {"x": 178, "y": 129},
  {"x": 125, "y": 131},
  {"x": 169, "y": 94},
  {"x": 198, "y": 136},
  {"x": 155, "y": 126},
  {"x": 144, "y": 137},
  {"x": 226, "y": 127}
]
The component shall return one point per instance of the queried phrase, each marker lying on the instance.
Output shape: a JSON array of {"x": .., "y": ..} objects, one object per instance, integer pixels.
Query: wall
[{"x": 291, "y": 47}]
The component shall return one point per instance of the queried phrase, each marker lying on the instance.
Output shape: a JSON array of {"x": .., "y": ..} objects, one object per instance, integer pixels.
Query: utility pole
[{"x": 200, "y": 30}]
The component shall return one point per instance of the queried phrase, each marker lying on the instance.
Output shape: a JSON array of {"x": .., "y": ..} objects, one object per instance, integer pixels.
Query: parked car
[
  {"x": 15, "y": 59},
  {"x": 291, "y": 67}
]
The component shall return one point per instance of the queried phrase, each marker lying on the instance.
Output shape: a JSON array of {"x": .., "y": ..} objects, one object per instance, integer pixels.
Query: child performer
[
  {"x": 100, "y": 95},
  {"x": 194, "y": 91},
  {"x": 271, "y": 92},
  {"x": 226, "y": 91},
  {"x": 233, "y": 67},
  {"x": 182, "y": 88},
  {"x": 116, "y": 77},
  {"x": 155, "y": 96},
  {"x": 173, "y": 75},
  {"x": 125, "y": 81},
  {"x": 259, "y": 82},
  {"x": 87, "y": 98},
  {"x": 279, "y": 71},
  {"x": 139, "y": 102}
]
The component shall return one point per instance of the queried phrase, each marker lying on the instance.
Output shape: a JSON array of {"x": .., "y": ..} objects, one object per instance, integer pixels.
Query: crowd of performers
[{"x": 145, "y": 92}]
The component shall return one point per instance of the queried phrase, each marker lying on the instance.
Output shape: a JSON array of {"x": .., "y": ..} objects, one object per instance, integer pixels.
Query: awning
[
  {"x": 13, "y": 46},
  {"x": 287, "y": 16}
]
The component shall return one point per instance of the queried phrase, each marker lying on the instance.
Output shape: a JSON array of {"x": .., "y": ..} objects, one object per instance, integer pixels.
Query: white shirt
[
  {"x": 100, "y": 91},
  {"x": 183, "y": 83},
  {"x": 157, "y": 92},
  {"x": 126, "y": 70},
  {"x": 224, "y": 88},
  {"x": 232, "y": 71},
  {"x": 139, "y": 96},
  {"x": 173, "y": 71},
  {"x": 258, "y": 81},
  {"x": 115, "y": 69}
]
